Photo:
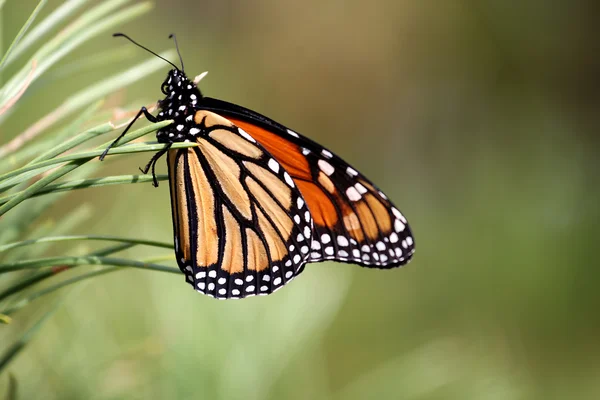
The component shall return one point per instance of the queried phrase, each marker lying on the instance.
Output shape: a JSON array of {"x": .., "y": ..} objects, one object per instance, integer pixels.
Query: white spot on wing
[
  {"x": 273, "y": 165},
  {"x": 361, "y": 189},
  {"x": 326, "y": 153},
  {"x": 246, "y": 135},
  {"x": 342, "y": 241},
  {"x": 398, "y": 225},
  {"x": 351, "y": 171},
  {"x": 288, "y": 179},
  {"x": 291, "y": 132},
  {"x": 353, "y": 194},
  {"x": 326, "y": 167}
]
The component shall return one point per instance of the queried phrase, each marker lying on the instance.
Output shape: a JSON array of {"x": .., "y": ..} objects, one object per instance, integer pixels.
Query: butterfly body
[
  {"x": 254, "y": 201},
  {"x": 180, "y": 104}
]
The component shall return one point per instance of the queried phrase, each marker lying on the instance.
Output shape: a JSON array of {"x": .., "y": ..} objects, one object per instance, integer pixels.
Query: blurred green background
[{"x": 478, "y": 118}]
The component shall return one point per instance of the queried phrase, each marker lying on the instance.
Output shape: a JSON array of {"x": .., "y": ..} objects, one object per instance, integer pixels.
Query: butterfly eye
[{"x": 164, "y": 87}]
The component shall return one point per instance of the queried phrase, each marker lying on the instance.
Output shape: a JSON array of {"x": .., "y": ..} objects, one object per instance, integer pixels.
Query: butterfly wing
[
  {"x": 353, "y": 220},
  {"x": 239, "y": 220}
]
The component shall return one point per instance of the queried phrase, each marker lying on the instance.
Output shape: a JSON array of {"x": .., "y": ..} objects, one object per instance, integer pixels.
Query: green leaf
[
  {"x": 83, "y": 98},
  {"x": 63, "y": 225},
  {"x": 56, "y": 239},
  {"x": 43, "y": 275},
  {"x": 53, "y": 20},
  {"x": 73, "y": 142},
  {"x": 22, "y": 32},
  {"x": 35, "y": 148},
  {"x": 83, "y": 260},
  {"x": 79, "y": 160},
  {"x": 53, "y": 52},
  {"x": 137, "y": 148},
  {"x": 90, "y": 183}
]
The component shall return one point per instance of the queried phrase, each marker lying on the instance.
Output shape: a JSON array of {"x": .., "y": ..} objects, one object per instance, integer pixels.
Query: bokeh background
[{"x": 478, "y": 118}]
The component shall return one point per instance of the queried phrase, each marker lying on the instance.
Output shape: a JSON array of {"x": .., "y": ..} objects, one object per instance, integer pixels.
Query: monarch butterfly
[{"x": 255, "y": 202}]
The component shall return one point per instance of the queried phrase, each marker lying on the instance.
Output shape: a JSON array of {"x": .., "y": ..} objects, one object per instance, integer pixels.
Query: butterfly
[{"x": 255, "y": 201}]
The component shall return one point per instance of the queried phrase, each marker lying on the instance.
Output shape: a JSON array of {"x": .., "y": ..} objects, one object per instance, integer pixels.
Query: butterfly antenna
[
  {"x": 147, "y": 49},
  {"x": 172, "y": 36}
]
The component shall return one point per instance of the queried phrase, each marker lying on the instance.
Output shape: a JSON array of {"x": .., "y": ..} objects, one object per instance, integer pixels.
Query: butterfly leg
[
  {"x": 148, "y": 116},
  {"x": 152, "y": 163}
]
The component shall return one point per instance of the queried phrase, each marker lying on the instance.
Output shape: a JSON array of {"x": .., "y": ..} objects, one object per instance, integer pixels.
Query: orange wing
[{"x": 353, "y": 220}]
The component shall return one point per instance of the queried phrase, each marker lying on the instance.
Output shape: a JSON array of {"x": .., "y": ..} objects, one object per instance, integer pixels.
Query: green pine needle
[{"x": 57, "y": 154}]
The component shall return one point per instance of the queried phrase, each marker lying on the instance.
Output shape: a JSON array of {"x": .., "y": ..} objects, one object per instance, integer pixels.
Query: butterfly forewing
[
  {"x": 353, "y": 220},
  {"x": 240, "y": 223}
]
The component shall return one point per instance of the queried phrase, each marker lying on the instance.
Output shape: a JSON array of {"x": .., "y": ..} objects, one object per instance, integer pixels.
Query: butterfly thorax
[{"x": 180, "y": 105}]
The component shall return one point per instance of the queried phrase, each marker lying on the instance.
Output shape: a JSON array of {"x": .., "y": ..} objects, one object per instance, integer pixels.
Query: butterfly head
[
  {"x": 180, "y": 104},
  {"x": 179, "y": 90},
  {"x": 181, "y": 96}
]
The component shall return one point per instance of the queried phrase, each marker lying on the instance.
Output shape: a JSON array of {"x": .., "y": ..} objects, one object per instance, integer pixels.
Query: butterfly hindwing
[
  {"x": 353, "y": 220},
  {"x": 240, "y": 222}
]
